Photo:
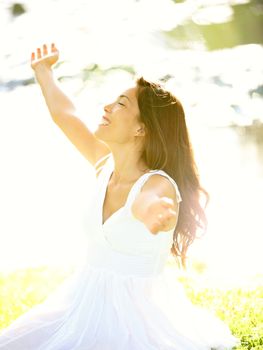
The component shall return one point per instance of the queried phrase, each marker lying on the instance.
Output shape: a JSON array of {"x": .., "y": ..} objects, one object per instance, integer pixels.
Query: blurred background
[{"x": 209, "y": 53}]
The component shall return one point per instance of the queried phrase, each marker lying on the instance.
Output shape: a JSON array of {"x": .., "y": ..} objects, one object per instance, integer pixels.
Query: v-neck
[{"x": 108, "y": 176}]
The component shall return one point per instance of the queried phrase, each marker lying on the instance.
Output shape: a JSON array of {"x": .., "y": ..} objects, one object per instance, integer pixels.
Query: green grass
[
  {"x": 240, "y": 308},
  {"x": 22, "y": 289}
]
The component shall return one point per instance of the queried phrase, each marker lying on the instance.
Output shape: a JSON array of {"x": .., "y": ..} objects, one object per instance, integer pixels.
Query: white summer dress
[{"x": 120, "y": 298}]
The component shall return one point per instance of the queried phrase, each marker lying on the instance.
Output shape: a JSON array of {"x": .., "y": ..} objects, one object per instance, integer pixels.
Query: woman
[{"x": 121, "y": 298}]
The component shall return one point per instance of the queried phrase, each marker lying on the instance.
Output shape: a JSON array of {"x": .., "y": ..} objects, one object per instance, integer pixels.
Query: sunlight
[{"x": 45, "y": 183}]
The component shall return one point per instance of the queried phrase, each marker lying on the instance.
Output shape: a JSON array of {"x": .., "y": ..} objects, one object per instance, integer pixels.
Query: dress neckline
[{"x": 107, "y": 179}]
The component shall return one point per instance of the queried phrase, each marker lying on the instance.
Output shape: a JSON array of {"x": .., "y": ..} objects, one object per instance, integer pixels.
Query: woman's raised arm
[{"x": 61, "y": 108}]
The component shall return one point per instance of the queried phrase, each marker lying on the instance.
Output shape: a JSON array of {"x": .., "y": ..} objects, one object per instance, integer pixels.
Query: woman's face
[{"x": 121, "y": 119}]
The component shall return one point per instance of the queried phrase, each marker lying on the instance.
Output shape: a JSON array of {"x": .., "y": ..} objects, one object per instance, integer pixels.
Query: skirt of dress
[{"x": 99, "y": 309}]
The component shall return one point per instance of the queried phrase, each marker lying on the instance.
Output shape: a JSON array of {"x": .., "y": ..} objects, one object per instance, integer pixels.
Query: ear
[{"x": 140, "y": 130}]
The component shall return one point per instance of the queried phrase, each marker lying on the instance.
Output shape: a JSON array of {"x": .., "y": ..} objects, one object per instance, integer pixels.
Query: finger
[
  {"x": 45, "y": 52},
  {"x": 166, "y": 214},
  {"x": 168, "y": 217},
  {"x": 53, "y": 48},
  {"x": 164, "y": 218},
  {"x": 167, "y": 202},
  {"x": 38, "y": 53},
  {"x": 154, "y": 229},
  {"x": 33, "y": 56},
  {"x": 164, "y": 221},
  {"x": 161, "y": 223},
  {"x": 171, "y": 212}
]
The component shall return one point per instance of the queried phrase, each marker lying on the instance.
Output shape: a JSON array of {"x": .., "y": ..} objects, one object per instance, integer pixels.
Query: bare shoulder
[{"x": 161, "y": 186}]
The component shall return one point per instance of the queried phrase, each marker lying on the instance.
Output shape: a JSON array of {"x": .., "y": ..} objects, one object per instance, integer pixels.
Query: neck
[{"x": 127, "y": 167}]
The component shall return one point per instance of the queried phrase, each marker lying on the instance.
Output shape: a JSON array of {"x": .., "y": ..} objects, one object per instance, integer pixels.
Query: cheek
[
  {"x": 124, "y": 129},
  {"x": 116, "y": 108}
]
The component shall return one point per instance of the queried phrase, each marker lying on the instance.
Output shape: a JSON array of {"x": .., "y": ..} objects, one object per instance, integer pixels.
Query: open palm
[
  {"x": 161, "y": 215},
  {"x": 44, "y": 57}
]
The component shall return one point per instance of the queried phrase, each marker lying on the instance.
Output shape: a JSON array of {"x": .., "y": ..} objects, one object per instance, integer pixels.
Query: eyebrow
[{"x": 125, "y": 96}]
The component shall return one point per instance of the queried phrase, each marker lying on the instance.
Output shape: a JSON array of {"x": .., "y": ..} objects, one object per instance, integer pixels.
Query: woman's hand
[
  {"x": 44, "y": 57},
  {"x": 160, "y": 215}
]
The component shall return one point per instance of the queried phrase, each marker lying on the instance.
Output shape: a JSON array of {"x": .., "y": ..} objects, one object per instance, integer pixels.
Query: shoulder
[{"x": 161, "y": 185}]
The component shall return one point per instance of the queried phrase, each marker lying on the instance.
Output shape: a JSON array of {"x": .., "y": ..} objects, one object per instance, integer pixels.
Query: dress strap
[
  {"x": 104, "y": 165},
  {"x": 141, "y": 181},
  {"x": 101, "y": 159}
]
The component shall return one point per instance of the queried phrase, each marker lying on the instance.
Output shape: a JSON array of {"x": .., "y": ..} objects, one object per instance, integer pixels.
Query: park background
[{"x": 209, "y": 54}]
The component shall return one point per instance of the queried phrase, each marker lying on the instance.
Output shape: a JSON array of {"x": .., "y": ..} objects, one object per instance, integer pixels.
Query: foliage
[
  {"x": 22, "y": 289},
  {"x": 240, "y": 308}
]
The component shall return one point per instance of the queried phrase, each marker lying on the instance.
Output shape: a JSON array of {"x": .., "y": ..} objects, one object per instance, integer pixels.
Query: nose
[{"x": 107, "y": 108}]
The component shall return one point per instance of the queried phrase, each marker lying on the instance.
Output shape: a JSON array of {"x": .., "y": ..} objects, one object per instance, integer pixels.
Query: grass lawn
[{"x": 241, "y": 308}]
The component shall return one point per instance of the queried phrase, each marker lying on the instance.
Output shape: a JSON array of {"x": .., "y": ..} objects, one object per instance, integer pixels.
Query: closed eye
[{"x": 121, "y": 104}]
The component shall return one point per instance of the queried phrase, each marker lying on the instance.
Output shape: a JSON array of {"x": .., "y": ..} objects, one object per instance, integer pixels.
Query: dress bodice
[{"x": 122, "y": 233}]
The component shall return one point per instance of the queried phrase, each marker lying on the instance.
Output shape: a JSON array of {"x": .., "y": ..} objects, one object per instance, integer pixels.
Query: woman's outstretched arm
[
  {"x": 61, "y": 108},
  {"x": 156, "y": 205}
]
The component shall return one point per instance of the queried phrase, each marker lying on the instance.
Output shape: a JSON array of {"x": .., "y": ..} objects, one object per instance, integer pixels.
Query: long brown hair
[{"x": 167, "y": 146}]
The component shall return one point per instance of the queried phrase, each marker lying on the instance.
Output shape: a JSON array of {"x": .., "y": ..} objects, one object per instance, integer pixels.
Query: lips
[{"x": 105, "y": 121}]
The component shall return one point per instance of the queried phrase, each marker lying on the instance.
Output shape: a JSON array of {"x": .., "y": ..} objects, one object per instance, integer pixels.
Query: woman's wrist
[
  {"x": 41, "y": 69},
  {"x": 43, "y": 73}
]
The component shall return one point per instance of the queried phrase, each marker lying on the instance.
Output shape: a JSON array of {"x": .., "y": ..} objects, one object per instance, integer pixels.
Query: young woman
[{"x": 146, "y": 204}]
